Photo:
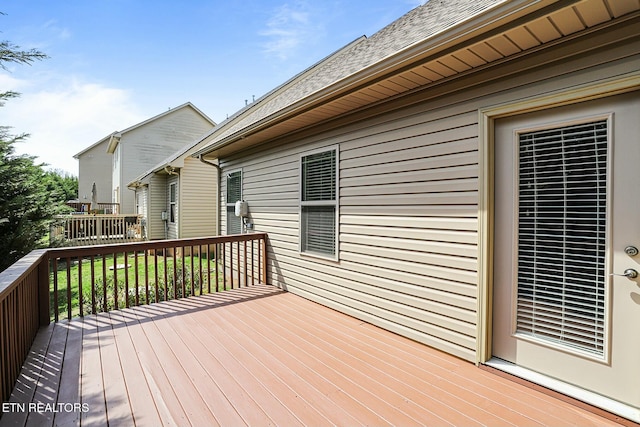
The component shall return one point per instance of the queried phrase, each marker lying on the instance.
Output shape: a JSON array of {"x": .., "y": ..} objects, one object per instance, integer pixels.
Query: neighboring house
[
  {"x": 464, "y": 177},
  {"x": 175, "y": 197},
  {"x": 136, "y": 149},
  {"x": 94, "y": 166}
]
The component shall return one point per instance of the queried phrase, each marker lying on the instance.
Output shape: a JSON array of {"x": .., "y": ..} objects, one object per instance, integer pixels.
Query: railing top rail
[
  {"x": 11, "y": 277},
  {"x": 156, "y": 244},
  {"x": 95, "y": 215}
]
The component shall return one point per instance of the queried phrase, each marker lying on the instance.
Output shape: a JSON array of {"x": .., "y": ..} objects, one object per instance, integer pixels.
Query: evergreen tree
[{"x": 26, "y": 205}]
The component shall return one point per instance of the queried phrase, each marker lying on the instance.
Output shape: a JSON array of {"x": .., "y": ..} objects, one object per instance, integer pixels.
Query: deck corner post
[
  {"x": 265, "y": 259},
  {"x": 43, "y": 290}
]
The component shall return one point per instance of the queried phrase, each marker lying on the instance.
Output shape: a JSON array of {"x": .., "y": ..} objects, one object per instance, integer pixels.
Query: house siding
[
  {"x": 94, "y": 165},
  {"x": 198, "y": 199},
  {"x": 408, "y": 207},
  {"x": 146, "y": 146}
]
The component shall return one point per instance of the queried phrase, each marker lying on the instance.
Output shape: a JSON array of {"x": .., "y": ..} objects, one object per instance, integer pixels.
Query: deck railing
[
  {"x": 48, "y": 285},
  {"x": 100, "y": 207},
  {"x": 24, "y": 307},
  {"x": 84, "y": 230}
]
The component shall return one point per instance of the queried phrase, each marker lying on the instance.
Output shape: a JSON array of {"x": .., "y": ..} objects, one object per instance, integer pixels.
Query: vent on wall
[{"x": 562, "y": 235}]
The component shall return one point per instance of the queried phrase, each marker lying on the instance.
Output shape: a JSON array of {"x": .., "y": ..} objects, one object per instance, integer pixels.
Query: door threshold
[{"x": 595, "y": 400}]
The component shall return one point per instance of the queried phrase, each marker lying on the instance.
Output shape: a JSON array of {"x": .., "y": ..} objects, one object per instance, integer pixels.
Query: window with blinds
[
  {"x": 562, "y": 235},
  {"x": 234, "y": 193},
  {"x": 318, "y": 203}
]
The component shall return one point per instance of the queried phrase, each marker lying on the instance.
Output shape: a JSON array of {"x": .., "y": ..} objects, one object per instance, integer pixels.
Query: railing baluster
[
  {"x": 115, "y": 281},
  {"x": 93, "y": 285},
  {"x": 193, "y": 281},
  {"x": 126, "y": 279},
  {"x": 208, "y": 255},
  {"x": 246, "y": 283},
  {"x": 55, "y": 289},
  {"x": 238, "y": 269},
  {"x": 175, "y": 273},
  {"x": 146, "y": 277},
  {"x": 182, "y": 260},
  {"x": 200, "y": 269},
  {"x": 68, "y": 261},
  {"x": 80, "y": 296},
  {"x": 155, "y": 274},
  {"x": 166, "y": 276},
  {"x": 230, "y": 264},
  {"x": 135, "y": 266},
  {"x": 216, "y": 256},
  {"x": 252, "y": 264},
  {"x": 104, "y": 282}
]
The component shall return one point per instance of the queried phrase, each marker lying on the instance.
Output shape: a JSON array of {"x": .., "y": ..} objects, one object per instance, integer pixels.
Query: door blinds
[{"x": 562, "y": 235}]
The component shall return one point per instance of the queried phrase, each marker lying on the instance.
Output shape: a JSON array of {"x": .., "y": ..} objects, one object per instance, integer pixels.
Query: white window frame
[
  {"x": 232, "y": 204},
  {"x": 173, "y": 203},
  {"x": 335, "y": 203}
]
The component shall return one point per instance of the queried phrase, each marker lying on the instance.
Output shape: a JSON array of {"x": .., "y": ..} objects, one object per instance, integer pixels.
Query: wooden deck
[{"x": 258, "y": 356}]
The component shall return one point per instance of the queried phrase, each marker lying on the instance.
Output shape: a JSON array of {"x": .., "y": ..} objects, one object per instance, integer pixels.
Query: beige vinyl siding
[
  {"x": 172, "y": 227},
  {"x": 146, "y": 146},
  {"x": 408, "y": 228},
  {"x": 198, "y": 199},
  {"x": 408, "y": 188},
  {"x": 157, "y": 204},
  {"x": 95, "y": 165}
]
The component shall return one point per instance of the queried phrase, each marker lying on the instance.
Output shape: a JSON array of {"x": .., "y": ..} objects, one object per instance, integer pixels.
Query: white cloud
[
  {"x": 53, "y": 29},
  {"x": 289, "y": 27},
  {"x": 66, "y": 119}
]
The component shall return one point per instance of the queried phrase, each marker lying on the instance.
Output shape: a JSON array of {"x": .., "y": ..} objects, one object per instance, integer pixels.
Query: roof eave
[{"x": 472, "y": 28}]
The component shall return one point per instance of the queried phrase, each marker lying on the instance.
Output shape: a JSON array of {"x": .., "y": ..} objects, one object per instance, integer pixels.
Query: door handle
[{"x": 629, "y": 273}]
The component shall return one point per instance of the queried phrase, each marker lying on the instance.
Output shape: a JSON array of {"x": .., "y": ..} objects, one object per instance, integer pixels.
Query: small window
[
  {"x": 234, "y": 193},
  {"x": 172, "y": 202},
  {"x": 319, "y": 203}
]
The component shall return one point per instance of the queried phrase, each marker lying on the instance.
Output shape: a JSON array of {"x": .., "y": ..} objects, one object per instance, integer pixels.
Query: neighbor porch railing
[
  {"x": 51, "y": 284},
  {"x": 100, "y": 207},
  {"x": 84, "y": 230}
]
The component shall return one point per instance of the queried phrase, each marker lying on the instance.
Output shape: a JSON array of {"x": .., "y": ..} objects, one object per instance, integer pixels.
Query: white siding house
[
  {"x": 460, "y": 178},
  {"x": 95, "y": 166},
  {"x": 142, "y": 146},
  {"x": 181, "y": 193}
]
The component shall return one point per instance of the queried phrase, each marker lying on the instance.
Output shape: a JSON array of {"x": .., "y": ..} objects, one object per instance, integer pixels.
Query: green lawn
[{"x": 191, "y": 286}]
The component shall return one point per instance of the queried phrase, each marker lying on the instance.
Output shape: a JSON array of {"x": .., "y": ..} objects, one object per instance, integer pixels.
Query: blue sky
[{"x": 114, "y": 63}]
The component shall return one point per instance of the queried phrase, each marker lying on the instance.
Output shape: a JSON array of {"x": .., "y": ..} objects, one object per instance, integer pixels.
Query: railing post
[
  {"x": 263, "y": 242},
  {"x": 43, "y": 291}
]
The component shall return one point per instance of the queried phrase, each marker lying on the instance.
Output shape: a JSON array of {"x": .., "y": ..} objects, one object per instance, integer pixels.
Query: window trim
[
  {"x": 335, "y": 203},
  {"x": 226, "y": 195}
]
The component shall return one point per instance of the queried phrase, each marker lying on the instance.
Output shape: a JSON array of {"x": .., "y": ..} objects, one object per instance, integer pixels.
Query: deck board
[
  {"x": 91, "y": 381},
  {"x": 260, "y": 356},
  {"x": 143, "y": 407},
  {"x": 69, "y": 387}
]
